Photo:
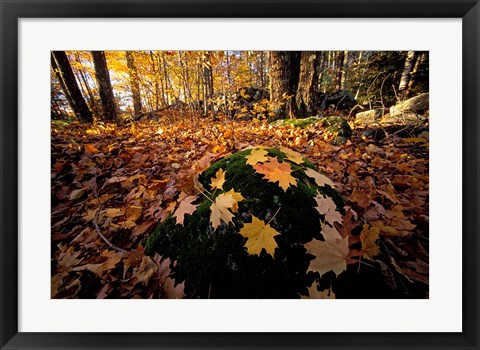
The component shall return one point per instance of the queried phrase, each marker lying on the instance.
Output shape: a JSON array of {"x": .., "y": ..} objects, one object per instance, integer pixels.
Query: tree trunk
[
  {"x": 405, "y": 79},
  {"x": 91, "y": 98},
  {"x": 262, "y": 70},
  {"x": 135, "y": 85},
  {"x": 104, "y": 86},
  {"x": 420, "y": 60},
  {"x": 208, "y": 81},
  {"x": 63, "y": 70},
  {"x": 284, "y": 72},
  {"x": 307, "y": 96},
  {"x": 343, "y": 85},
  {"x": 339, "y": 70}
]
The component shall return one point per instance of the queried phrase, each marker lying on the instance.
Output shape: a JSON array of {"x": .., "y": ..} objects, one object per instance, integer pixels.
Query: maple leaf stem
[
  {"x": 203, "y": 193},
  {"x": 273, "y": 217}
]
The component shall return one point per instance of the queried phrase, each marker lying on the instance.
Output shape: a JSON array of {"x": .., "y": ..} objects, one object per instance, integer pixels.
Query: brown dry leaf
[
  {"x": 219, "y": 179},
  {"x": 369, "y": 236},
  {"x": 203, "y": 163},
  {"x": 349, "y": 223},
  {"x": 259, "y": 236},
  {"x": 314, "y": 293},
  {"x": 170, "y": 291},
  {"x": 112, "y": 259},
  {"x": 375, "y": 212},
  {"x": 185, "y": 207},
  {"x": 330, "y": 255},
  {"x": 387, "y": 230},
  {"x": 141, "y": 229},
  {"x": 146, "y": 270},
  {"x": 389, "y": 195},
  {"x": 277, "y": 172},
  {"x": 257, "y": 155},
  {"x": 76, "y": 194},
  {"x": 133, "y": 212},
  {"x": 68, "y": 259},
  {"x": 326, "y": 206},
  {"x": 362, "y": 197},
  {"x": 113, "y": 212}
]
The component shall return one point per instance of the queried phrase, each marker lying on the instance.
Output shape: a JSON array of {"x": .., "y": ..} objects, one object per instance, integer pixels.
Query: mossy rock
[
  {"x": 215, "y": 263},
  {"x": 337, "y": 129}
]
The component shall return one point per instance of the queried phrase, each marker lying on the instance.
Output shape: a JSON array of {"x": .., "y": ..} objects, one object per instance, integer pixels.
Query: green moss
[
  {"x": 336, "y": 126},
  {"x": 301, "y": 123},
  {"x": 216, "y": 264}
]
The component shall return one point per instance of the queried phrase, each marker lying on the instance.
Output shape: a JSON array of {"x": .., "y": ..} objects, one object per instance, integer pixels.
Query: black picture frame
[{"x": 12, "y": 11}]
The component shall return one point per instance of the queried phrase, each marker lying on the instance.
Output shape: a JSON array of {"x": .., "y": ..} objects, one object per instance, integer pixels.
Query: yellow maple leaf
[
  {"x": 220, "y": 209},
  {"x": 218, "y": 180},
  {"x": 292, "y": 156},
  {"x": 368, "y": 237},
  {"x": 326, "y": 206},
  {"x": 275, "y": 171},
  {"x": 259, "y": 236},
  {"x": 330, "y": 255},
  {"x": 257, "y": 155},
  {"x": 320, "y": 179},
  {"x": 238, "y": 198}
]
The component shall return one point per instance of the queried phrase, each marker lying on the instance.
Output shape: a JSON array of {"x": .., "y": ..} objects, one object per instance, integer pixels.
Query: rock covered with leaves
[{"x": 266, "y": 224}]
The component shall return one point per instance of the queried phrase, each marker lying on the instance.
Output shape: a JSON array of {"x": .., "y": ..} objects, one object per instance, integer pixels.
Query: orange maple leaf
[{"x": 277, "y": 172}]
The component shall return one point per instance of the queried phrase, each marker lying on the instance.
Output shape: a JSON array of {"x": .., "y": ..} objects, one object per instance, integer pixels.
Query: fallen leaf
[
  {"x": 320, "y": 179},
  {"x": 145, "y": 271},
  {"x": 76, "y": 194},
  {"x": 330, "y": 255},
  {"x": 259, "y": 236},
  {"x": 89, "y": 148},
  {"x": 185, "y": 207},
  {"x": 219, "y": 179},
  {"x": 326, "y": 206},
  {"x": 292, "y": 156},
  {"x": 256, "y": 156},
  {"x": 368, "y": 237},
  {"x": 314, "y": 293},
  {"x": 349, "y": 223},
  {"x": 277, "y": 172},
  {"x": 238, "y": 198},
  {"x": 220, "y": 209}
]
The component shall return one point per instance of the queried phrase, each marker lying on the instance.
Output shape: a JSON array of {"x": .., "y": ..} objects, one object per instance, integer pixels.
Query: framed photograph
[{"x": 252, "y": 174}]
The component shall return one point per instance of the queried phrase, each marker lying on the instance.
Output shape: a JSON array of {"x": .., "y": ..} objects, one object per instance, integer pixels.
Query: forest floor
[{"x": 119, "y": 182}]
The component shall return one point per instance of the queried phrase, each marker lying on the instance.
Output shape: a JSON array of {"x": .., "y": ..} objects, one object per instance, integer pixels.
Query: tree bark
[
  {"x": 135, "y": 84},
  {"x": 306, "y": 97},
  {"x": 64, "y": 73},
  {"x": 339, "y": 70},
  {"x": 284, "y": 73},
  {"x": 207, "y": 81},
  {"x": 405, "y": 79},
  {"x": 104, "y": 86}
]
